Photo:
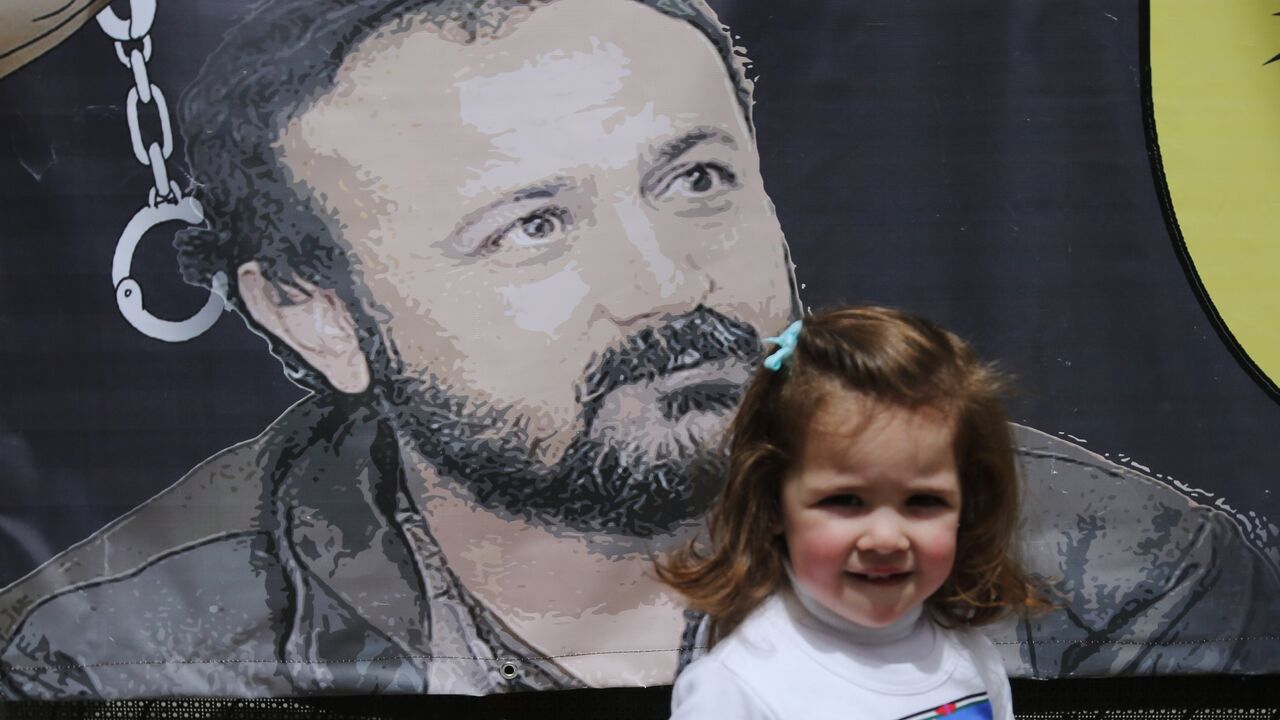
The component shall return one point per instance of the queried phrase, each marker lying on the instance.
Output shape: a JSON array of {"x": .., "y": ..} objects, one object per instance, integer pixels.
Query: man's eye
[
  {"x": 843, "y": 500},
  {"x": 534, "y": 229},
  {"x": 700, "y": 181}
]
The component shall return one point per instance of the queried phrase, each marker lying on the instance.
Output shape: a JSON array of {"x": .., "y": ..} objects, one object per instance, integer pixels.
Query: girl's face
[{"x": 871, "y": 509}]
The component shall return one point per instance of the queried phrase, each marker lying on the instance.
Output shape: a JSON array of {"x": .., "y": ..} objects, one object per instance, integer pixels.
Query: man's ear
[{"x": 313, "y": 321}]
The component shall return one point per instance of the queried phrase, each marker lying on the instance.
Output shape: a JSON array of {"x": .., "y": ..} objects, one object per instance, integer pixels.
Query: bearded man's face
[{"x": 567, "y": 236}]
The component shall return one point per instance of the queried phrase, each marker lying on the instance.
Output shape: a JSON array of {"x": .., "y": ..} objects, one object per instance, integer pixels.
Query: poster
[{"x": 470, "y": 288}]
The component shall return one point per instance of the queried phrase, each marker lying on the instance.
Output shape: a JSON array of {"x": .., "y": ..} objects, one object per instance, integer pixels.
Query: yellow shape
[{"x": 1217, "y": 115}]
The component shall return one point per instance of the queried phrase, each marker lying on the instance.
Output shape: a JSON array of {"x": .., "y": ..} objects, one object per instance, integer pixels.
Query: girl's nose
[{"x": 884, "y": 533}]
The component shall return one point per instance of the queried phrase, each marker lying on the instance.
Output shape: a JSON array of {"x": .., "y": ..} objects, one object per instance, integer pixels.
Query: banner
[{"x": 354, "y": 347}]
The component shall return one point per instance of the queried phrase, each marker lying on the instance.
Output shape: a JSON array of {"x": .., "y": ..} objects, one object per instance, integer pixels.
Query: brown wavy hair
[{"x": 892, "y": 358}]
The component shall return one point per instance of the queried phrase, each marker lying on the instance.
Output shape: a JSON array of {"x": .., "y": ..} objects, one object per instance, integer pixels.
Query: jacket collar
[{"x": 368, "y": 580}]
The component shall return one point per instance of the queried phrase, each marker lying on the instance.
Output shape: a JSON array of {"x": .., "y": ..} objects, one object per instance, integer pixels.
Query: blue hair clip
[{"x": 786, "y": 343}]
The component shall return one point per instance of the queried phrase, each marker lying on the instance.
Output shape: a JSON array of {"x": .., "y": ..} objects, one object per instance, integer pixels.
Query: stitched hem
[
  {"x": 257, "y": 661},
  {"x": 272, "y": 661}
]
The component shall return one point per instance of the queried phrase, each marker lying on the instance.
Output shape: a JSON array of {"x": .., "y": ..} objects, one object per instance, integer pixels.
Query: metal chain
[{"x": 165, "y": 202}]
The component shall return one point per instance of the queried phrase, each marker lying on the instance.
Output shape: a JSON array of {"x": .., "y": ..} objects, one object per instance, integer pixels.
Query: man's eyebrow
[
  {"x": 537, "y": 191},
  {"x": 674, "y": 148}
]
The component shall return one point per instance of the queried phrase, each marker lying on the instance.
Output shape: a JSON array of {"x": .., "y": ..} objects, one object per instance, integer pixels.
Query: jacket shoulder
[
  {"x": 202, "y": 619},
  {"x": 221, "y": 497}
]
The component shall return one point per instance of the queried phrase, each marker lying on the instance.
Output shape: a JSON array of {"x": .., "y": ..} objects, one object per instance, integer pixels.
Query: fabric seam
[{"x": 249, "y": 661}]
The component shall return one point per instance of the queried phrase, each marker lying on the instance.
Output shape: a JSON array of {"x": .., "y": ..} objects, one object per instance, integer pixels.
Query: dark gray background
[{"x": 984, "y": 164}]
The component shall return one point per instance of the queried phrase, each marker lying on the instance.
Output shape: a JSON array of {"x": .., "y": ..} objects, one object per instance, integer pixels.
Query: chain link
[
  {"x": 123, "y": 57},
  {"x": 165, "y": 202},
  {"x": 136, "y": 31},
  {"x": 135, "y": 131},
  {"x": 141, "y": 81},
  {"x": 138, "y": 26}
]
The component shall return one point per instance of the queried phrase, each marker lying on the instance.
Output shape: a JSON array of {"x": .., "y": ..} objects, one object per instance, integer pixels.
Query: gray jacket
[
  {"x": 298, "y": 562},
  {"x": 293, "y": 563}
]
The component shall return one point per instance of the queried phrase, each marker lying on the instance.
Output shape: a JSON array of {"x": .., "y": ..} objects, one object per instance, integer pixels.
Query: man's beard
[{"x": 608, "y": 486}]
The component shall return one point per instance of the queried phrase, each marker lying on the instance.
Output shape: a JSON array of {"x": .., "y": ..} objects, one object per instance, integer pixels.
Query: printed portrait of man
[{"x": 522, "y": 255}]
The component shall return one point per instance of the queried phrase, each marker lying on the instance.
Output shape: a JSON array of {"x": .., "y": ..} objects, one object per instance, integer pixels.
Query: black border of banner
[
  {"x": 1171, "y": 218},
  {"x": 1203, "y": 697},
  {"x": 1164, "y": 696}
]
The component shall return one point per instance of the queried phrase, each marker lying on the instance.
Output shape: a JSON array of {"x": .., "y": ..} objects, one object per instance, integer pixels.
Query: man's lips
[
  {"x": 703, "y": 372},
  {"x": 705, "y": 389},
  {"x": 727, "y": 372},
  {"x": 654, "y": 354}
]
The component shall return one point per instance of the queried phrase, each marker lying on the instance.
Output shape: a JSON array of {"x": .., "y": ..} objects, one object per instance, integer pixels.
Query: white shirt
[{"x": 792, "y": 658}]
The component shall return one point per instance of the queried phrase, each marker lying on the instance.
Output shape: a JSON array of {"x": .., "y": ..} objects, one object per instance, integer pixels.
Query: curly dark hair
[
  {"x": 890, "y": 357},
  {"x": 267, "y": 71}
]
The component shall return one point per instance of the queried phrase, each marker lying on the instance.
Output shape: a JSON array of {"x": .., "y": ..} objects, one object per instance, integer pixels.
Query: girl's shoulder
[
  {"x": 763, "y": 627},
  {"x": 746, "y": 675},
  {"x": 719, "y": 685},
  {"x": 757, "y": 640}
]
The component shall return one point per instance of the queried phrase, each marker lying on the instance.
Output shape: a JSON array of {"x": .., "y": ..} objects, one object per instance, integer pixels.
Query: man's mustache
[{"x": 689, "y": 340}]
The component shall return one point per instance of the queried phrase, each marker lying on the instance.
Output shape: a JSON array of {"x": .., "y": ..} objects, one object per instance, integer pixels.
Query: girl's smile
[{"x": 880, "y": 577}]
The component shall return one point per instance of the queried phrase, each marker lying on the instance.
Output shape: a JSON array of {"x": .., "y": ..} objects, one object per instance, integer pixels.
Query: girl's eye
[
  {"x": 926, "y": 501},
  {"x": 536, "y": 228},
  {"x": 842, "y": 501},
  {"x": 700, "y": 180}
]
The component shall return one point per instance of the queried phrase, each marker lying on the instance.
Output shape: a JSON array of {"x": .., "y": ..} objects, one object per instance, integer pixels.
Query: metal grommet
[{"x": 509, "y": 670}]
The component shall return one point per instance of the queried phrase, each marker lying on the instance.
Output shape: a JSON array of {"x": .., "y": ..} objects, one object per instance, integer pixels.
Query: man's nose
[
  {"x": 884, "y": 532},
  {"x": 644, "y": 266}
]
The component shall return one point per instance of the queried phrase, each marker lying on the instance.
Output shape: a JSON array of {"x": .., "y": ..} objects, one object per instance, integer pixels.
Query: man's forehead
[
  {"x": 579, "y": 84},
  {"x": 590, "y": 84},
  {"x": 588, "y": 46},
  {"x": 560, "y": 112},
  {"x": 501, "y": 101}
]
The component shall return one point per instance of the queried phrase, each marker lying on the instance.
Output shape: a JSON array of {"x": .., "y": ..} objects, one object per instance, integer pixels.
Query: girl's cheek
[
  {"x": 938, "y": 542},
  {"x": 827, "y": 544}
]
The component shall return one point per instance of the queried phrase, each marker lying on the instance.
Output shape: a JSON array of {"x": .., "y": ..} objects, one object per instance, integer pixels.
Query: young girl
[{"x": 866, "y": 526}]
